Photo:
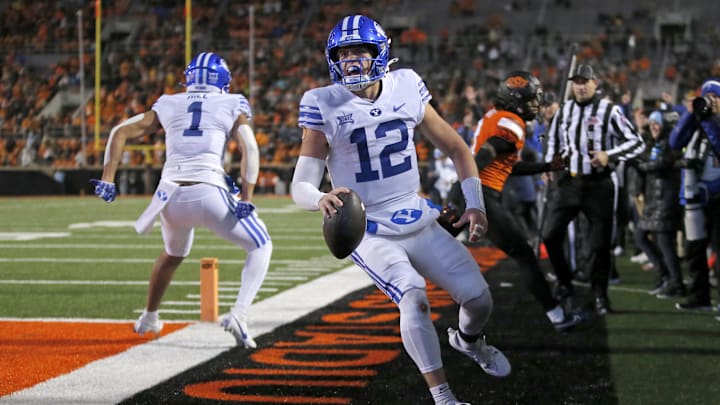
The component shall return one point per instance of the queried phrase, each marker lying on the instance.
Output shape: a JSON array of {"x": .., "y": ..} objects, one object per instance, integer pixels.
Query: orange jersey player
[
  {"x": 507, "y": 127},
  {"x": 499, "y": 139}
]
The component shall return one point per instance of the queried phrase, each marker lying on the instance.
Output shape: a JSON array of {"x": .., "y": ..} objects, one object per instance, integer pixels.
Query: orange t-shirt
[{"x": 509, "y": 127}]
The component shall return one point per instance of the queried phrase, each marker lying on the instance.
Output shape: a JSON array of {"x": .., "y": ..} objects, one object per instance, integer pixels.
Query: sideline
[{"x": 115, "y": 378}]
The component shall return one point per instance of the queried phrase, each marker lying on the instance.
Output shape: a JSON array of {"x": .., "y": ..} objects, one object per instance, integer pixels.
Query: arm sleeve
[
  {"x": 630, "y": 144},
  {"x": 554, "y": 140},
  {"x": 522, "y": 168},
  {"x": 306, "y": 180}
]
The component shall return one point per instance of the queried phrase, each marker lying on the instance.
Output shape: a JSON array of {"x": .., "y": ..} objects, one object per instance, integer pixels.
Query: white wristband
[{"x": 472, "y": 190}]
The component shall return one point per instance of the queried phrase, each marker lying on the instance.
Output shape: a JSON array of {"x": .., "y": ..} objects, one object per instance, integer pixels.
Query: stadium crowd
[{"x": 135, "y": 73}]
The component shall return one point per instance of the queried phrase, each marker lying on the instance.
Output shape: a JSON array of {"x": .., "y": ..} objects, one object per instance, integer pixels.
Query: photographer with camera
[{"x": 698, "y": 132}]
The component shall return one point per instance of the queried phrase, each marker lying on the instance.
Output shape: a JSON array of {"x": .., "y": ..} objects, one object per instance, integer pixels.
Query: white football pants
[{"x": 213, "y": 207}]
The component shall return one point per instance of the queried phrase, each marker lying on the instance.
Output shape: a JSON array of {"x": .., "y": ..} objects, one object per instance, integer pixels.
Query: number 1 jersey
[{"x": 197, "y": 128}]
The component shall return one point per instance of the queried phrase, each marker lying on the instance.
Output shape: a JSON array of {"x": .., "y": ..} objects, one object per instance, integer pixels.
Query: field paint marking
[
  {"x": 21, "y": 236},
  {"x": 627, "y": 289},
  {"x": 102, "y": 224},
  {"x": 87, "y": 320},
  {"x": 234, "y": 289},
  {"x": 158, "y": 246},
  {"x": 115, "y": 378},
  {"x": 131, "y": 223},
  {"x": 89, "y": 282},
  {"x": 97, "y": 236},
  {"x": 193, "y": 303},
  {"x": 225, "y": 296},
  {"x": 136, "y": 282},
  {"x": 172, "y": 311},
  {"x": 293, "y": 263}
]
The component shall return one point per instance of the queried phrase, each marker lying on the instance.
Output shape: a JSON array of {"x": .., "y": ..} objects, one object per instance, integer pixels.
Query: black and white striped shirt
[{"x": 599, "y": 125}]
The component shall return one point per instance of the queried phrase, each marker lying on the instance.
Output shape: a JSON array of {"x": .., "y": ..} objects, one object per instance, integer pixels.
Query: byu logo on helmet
[
  {"x": 207, "y": 72},
  {"x": 352, "y": 31}
]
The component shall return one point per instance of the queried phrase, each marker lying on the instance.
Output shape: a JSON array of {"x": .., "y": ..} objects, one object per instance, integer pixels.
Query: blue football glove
[
  {"x": 103, "y": 189},
  {"x": 233, "y": 188},
  {"x": 243, "y": 209}
]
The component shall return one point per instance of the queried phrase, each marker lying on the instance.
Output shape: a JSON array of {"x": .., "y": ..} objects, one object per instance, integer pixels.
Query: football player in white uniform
[
  {"x": 194, "y": 190},
  {"x": 362, "y": 128}
]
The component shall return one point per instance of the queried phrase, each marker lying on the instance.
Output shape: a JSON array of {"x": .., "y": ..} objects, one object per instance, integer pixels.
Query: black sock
[{"x": 468, "y": 338}]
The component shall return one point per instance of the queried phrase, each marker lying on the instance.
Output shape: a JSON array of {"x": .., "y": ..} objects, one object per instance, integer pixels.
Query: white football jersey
[
  {"x": 197, "y": 128},
  {"x": 371, "y": 147}
]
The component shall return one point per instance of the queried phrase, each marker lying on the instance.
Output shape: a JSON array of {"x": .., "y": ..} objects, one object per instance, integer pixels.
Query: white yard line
[
  {"x": 94, "y": 236},
  {"x": 154, "y": 246},
  {"x": 110, "y": 380},
  {"x": 292, "y": 263}
]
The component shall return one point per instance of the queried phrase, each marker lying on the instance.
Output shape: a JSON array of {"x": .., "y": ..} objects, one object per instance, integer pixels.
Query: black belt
[{"x": 187, "y": 183}]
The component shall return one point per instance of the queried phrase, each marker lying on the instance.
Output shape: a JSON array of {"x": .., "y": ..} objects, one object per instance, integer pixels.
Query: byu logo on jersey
[
  {"x": 406, "y": 216},
  {"x": 162, "y": 195},
  {"x": 375, "y": 112}
]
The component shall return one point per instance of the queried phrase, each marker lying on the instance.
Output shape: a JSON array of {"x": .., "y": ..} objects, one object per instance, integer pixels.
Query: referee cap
[{"x": 583, "y": 71}]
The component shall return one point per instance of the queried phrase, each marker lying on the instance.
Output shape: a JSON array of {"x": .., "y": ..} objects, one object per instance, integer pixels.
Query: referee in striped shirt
[{"x": 592, "y": 133}]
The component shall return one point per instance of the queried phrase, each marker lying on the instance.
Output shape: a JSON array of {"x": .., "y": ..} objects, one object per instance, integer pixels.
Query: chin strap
[{"x": 393, "y": 60}]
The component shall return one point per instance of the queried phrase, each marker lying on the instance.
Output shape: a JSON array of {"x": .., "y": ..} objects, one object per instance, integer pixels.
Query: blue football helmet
[
  {"x": 207, "y": 72},
  {"x": 358, "y": 30}
]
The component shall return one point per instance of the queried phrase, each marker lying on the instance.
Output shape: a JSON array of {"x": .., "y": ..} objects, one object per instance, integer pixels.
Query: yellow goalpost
[{"x": 147, "y": 149}]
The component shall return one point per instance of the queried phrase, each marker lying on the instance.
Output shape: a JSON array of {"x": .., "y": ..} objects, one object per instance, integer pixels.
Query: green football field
[{"x": 80, "y": 258}]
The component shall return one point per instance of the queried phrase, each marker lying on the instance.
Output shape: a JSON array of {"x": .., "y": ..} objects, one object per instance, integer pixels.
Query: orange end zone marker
[{"x": 209, "y": 289}]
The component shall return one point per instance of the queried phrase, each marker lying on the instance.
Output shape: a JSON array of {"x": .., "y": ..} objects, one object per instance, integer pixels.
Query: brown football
[{"x": 345, "y": 229}]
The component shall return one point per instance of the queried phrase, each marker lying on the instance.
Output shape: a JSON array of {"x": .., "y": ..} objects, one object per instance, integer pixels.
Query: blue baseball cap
[
  {"x": 656, "y": 116},
  {"x": 710, "y": 86}
]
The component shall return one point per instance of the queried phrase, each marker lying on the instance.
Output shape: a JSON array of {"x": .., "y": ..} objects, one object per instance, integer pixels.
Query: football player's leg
[
  {"x": 387, "y": 264},
  {"x": 251, "y": 234},
  {"x": 559, "y": 213},
  {"x": 178, "y": 240},
  {"x": 447, "y": 263},
  {"x": 507, "y": 234},
  {"x": 418, "y": 333}
]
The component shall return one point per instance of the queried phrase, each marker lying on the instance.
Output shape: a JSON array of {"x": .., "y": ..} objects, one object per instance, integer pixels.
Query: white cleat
[
  {"x": 238, "y": 328},
  {"x": 492, "y": 360},
  {"x": 148, "y": 323}
]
